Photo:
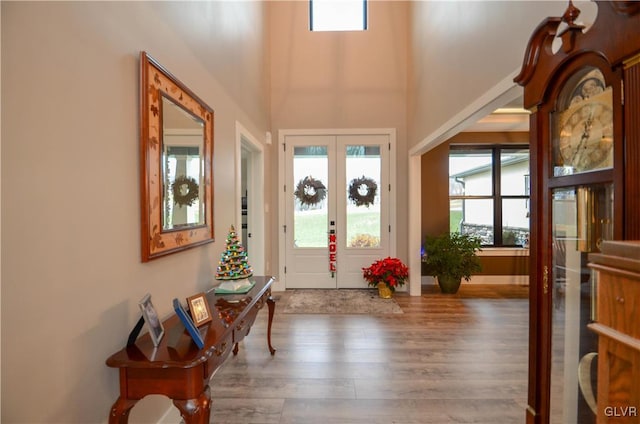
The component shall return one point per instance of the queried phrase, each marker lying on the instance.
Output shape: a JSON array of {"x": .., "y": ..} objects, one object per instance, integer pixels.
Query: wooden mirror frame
[{"x": 156, "y": 82}]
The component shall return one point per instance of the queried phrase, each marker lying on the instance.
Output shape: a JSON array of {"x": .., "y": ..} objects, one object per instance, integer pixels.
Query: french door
[{"x": 337, "y": 218}]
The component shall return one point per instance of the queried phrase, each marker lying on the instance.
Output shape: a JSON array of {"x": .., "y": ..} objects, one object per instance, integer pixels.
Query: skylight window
[{"x": 338, "y": 15}]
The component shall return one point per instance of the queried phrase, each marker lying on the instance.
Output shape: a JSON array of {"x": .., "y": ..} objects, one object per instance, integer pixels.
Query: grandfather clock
[{"x": 582, "y": 86}]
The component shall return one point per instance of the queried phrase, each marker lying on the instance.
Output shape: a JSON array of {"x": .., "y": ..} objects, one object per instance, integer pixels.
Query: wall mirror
[{"x": 176, "y": 140}]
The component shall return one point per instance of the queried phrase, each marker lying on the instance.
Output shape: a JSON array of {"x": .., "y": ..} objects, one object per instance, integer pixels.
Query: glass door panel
[
  {"x": 363, "y": 175},
  {"x": 362, "y": 220},
  {"x": 581, "y": 219},
  {"x": 311, "y": 210}
]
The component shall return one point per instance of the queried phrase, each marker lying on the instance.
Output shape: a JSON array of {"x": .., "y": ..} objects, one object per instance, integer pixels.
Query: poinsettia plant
[{"x": 390, "y": 271}]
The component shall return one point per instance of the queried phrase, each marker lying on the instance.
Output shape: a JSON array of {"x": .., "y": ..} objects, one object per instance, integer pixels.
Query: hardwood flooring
[{"x": 448, "y": 359}]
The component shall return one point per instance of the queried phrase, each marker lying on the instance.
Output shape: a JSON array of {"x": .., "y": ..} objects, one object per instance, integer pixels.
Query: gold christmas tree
[{"x": 233, "y": 264}]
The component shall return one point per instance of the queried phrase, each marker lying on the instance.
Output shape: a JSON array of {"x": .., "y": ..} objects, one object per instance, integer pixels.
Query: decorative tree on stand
[{"x": 234, "y": 264}]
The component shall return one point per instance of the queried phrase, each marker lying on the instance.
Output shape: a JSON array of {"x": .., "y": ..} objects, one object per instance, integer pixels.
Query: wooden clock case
[{"x": 611, "y": 44}]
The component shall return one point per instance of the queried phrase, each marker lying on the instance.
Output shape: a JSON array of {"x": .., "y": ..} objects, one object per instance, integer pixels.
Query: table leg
[
  {"x": 120, "y": 410},
  {"x": 272, "y": 307},
  {"x": 195, "y": 411}
]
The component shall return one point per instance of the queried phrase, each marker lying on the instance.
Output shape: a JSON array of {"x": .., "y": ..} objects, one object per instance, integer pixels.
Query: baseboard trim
[{"x": 520, "y": 280}]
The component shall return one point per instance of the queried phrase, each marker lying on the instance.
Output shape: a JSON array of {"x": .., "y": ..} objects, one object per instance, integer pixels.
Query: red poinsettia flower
[{"x": 390, "y": 271}]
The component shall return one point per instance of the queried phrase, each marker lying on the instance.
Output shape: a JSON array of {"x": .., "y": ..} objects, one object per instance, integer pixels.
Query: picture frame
[
  {"x": 188, "y": 323},
  {"x": 156, "y": 329},
  {"x": 199, "y": 309}
]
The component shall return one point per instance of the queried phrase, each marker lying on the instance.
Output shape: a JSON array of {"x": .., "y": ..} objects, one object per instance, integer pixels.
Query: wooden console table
[{"x": 177, "y": 368}]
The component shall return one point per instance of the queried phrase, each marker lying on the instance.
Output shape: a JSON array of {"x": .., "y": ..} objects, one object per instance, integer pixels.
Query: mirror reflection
[
  {"x": 176, "y": 164},
  {"x": 182, "y": 167}
]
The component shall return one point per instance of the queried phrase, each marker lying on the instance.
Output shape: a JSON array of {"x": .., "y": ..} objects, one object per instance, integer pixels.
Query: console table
[{"x": 177, "y": 368}]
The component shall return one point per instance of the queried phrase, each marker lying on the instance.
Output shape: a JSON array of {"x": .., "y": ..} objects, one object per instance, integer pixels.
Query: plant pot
[
  {"x": 449, "y": 284},
  {"x": 384, "y": 291}
]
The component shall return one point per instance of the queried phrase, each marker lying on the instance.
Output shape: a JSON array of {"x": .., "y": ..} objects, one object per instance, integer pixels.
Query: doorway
[
  {"x": 250, "y": 197},
  {"x": 336, "y": 203}
]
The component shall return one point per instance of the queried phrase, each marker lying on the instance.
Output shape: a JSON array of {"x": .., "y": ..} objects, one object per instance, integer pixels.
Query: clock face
[{"x": 583, "y": 139}]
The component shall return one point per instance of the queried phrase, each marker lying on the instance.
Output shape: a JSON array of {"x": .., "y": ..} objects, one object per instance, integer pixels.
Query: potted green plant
[{"x": 451, "y": 257}]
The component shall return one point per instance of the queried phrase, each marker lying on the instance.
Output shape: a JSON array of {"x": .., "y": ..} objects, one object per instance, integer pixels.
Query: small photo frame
[
  {"x": 156, "y": 330},
  {"x": 199, "y": 309},
  {"x": 188, "y": 324}
]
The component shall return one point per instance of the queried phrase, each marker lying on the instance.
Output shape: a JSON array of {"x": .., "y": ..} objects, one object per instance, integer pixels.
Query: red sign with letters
[{"x": 332, "y": 252}]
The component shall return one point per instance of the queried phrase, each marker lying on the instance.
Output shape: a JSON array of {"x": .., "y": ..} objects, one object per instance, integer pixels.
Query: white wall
[
  {"x": 463, "y": 58},
  {"x": 71, "y": 274},
  {"x": 460, "y": 51},
  {"x": 338, "y": 80}
]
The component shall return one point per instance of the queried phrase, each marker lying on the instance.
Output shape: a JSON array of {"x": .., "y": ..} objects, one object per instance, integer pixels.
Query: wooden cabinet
[
  {"x": 618, "y": 326},
  {"x": 582, "y": 87}
]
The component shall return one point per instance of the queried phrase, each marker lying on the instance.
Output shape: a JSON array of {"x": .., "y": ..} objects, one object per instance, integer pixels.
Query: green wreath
[
  {"x": 182, "y": 198},
  {"x": 310, "y": 191},
  {"x": 362, "y": 199}
]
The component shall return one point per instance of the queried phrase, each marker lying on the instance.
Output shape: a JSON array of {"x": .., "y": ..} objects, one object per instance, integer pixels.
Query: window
[
  {"x": 490, "y": 201},
  {"x": 337, "y": 15}
]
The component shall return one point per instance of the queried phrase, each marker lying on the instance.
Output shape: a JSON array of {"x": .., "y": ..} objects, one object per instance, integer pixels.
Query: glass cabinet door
[{"x": 581, "y": 219}]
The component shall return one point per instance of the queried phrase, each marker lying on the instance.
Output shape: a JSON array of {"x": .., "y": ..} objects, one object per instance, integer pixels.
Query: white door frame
[
  {"x": 255, "y": 188},
  {"x": 499, "y": 95},
  {"x": 281, "y": 285}
]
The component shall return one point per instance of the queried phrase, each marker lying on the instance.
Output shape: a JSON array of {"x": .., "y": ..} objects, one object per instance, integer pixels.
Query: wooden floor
[{"x": 448, "y": 359}]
